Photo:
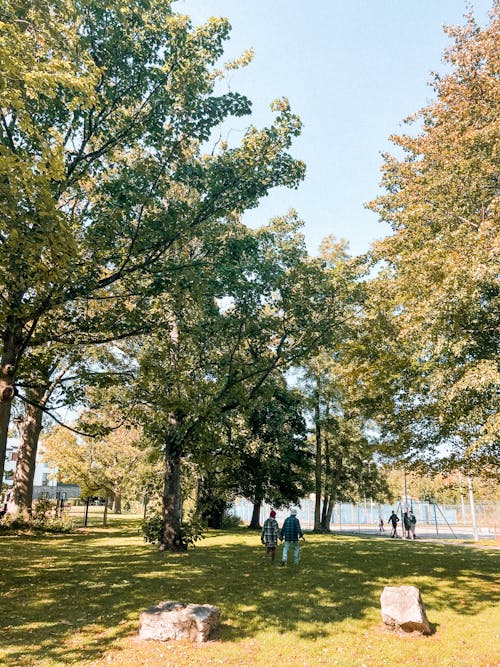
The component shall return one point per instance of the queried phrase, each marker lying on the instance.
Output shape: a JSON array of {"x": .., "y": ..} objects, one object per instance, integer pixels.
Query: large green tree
[
  {"x": 438, "y": 294},
  {"x": 263, "y": 306},
  {"x": 343, "y": 434},
  {"x": 55, "y": 376},
  {"x": 46, "y": 374},
  {"x": 330, "y": 385},
  {"x": 272, "y": 462},
  {"x": 259, "y": 452},
  {"x": 105, "y": 112}
]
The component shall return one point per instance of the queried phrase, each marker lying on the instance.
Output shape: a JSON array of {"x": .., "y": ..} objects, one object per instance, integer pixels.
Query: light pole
[
  {"x": 359, "y": 494},
  {"x": 368, "y": 462},
  {"x": 405, "y": 490},
  {"x": 461, "y": 496}
]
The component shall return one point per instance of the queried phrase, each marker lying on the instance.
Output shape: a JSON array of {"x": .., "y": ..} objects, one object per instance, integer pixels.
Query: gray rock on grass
[{"x": 178, "y": 620}]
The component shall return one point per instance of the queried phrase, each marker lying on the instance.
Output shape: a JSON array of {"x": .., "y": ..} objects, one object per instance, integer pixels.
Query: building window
[{"x": 45, "y": 479}]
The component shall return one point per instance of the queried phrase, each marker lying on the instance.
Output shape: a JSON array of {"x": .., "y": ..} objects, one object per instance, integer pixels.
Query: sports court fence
[{"x": 433, "y": 518}]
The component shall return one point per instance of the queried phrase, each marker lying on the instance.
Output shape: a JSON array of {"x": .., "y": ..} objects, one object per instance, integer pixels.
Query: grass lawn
[{"x": 75, "y": 600}]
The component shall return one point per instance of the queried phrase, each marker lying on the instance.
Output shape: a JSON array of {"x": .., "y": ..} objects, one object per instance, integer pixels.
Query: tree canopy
[
  {"x": 105, "y": 117},
  {"x": 439, "y": 287}
]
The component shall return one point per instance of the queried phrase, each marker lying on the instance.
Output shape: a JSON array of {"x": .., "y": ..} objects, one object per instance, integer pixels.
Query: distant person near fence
[
  {"x": 413, "y": 522},
  {"x": 393, "y": 520}
]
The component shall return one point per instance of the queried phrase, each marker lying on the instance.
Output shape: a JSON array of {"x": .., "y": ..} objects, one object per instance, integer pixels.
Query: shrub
[
  {"x": 41, "y": 519},
  {"x": 152, "y": 530},
  {"x": 42, "y": 508},
  {"x": 50, "y": 525},
  {"x": 192, "y": 532},
  {"x": 230, "y": 521}
]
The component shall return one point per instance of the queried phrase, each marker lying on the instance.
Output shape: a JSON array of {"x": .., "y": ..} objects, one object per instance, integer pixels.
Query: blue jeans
[{"x": 286, "y": 546}]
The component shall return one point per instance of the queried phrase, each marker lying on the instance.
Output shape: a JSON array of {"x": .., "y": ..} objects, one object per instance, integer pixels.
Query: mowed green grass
[{"x": 75, "y": 600}]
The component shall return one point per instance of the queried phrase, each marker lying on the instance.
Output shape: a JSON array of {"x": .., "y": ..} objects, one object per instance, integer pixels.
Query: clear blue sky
[{"x": 352, "y": 70}]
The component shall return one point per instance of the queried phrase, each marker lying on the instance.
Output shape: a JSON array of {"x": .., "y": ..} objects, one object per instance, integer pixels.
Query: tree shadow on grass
[{"x": 69, "y": 598}]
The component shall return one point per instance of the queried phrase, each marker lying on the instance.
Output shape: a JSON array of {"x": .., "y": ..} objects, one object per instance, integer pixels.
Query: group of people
[
  {"x": 289, "y": 534},
  {"x": 291, "y": 531},
  {"x": 409, "y": 523}
]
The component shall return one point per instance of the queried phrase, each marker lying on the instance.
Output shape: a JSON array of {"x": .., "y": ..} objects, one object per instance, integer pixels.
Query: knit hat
[
  {"x": 272, "y": 513},
  {"x": 293, "y": 512}
]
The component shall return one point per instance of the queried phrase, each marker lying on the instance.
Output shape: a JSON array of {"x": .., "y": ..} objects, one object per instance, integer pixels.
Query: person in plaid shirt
[
  {"x": 269, "y": 535},
  {"x": 290, "y": 532}
]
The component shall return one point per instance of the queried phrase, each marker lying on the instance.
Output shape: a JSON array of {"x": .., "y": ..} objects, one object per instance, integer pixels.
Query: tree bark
[
  {"x": 29, "y": 428},
  {"x": 105, "y": 514},
  {"x": 5, "y": 409},
  {"x": 325, "y": 524},
  {"x": 329, "y": 512},
  {"x": 318, "y": 466},
  {"x": 255, "y": 521},
  {"x": 8, "y": 364},
  {"x": 171, "y": 515},
  {"x": 117, "y": 502},
  {"x": 335, "y": 474},
  {"x": 172, "y": 536},
  {"x": 325, "y": 520}
]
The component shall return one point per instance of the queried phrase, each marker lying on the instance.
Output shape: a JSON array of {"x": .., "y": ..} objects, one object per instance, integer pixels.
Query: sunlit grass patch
[{"x": 75, "y": 600}]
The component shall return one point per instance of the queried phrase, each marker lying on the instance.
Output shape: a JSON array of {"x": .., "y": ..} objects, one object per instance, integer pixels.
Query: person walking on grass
[
  {"x": 290, "y": 532},
  {"x": 270, "y": 534},
  {"x": 393, "y": 520}
]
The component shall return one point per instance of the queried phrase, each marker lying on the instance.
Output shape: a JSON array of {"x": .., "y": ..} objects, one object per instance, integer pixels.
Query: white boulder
[{"x": 403, "y": 609}]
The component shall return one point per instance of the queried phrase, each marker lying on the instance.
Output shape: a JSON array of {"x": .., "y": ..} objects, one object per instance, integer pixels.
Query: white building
[{"x": 44, "y": 474}]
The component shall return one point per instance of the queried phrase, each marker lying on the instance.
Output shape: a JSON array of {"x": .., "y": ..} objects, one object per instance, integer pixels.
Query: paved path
[{"x": 427, "y": 533}]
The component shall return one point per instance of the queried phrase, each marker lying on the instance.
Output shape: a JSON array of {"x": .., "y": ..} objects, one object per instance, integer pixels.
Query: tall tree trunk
[
  {"x": 5, "y": 409},
  {"x": 318, "y": 466},
  {"x": 117, "y": 502},
  {"x": 329, "y": 512},
  {"x": 172, "y": 536},
  {"x": 335, "y": 475},
  {"x": 29, "y": 428},
  {"x": 324, "y": 512},
  {"x": 8, "y": 365},
  {"x": 255, "y": 521},
  {"x": 325, "y": 523},
  {"x": 105, "y": 515},
  {"x": 171, "y": 516}
]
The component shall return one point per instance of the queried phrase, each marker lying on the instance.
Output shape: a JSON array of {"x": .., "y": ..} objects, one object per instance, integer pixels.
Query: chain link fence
[{"x": 433, "y": 519}]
